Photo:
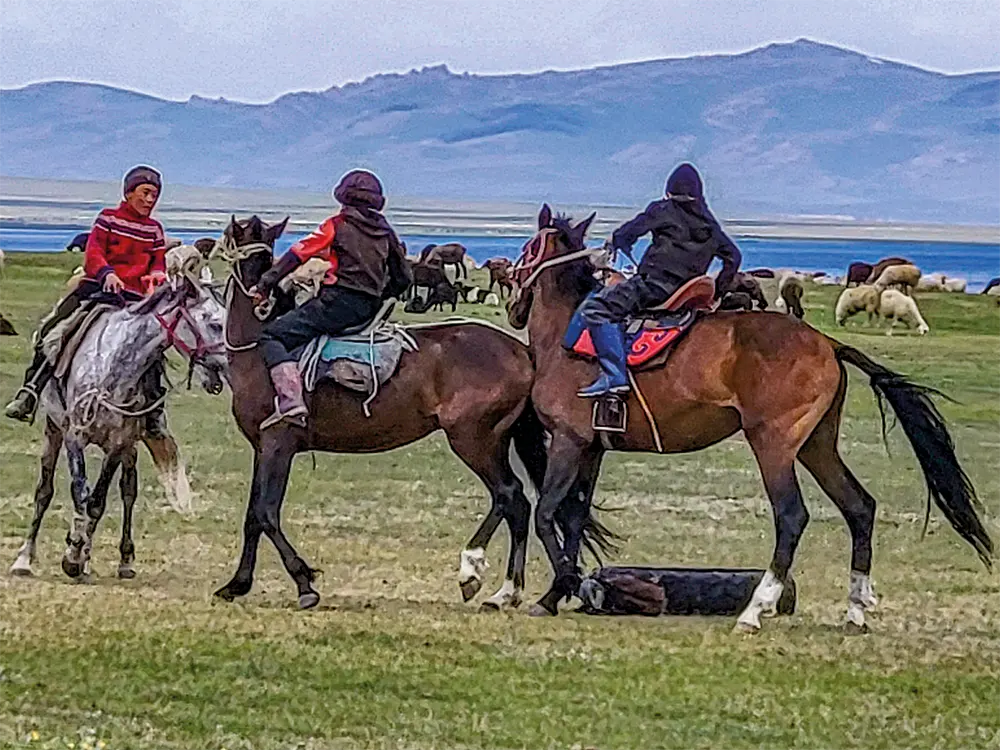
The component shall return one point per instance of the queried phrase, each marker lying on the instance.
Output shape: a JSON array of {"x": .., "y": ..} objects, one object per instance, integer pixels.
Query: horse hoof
[
  {"x": 126, "y": 572},
  {"x": 72, "y": 569},
  {"x": 21, "y": 571},
  {"x": 851, "y": 628},
  {"x": 470, "y": 588},
  {"x": 489, "y": 606},
  {"x": 745, "y": 628},
  {"x": 308, "y": 600},
  {"x": 537, "y": 610}
]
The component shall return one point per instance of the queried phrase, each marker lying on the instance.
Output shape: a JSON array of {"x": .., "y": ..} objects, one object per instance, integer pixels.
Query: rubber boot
[
  {"x": 22, "y": 407},
  {"x": 577, "y": 325},
  {"x": 289, "y": 405},
  {"x": 610, "y": 347}
]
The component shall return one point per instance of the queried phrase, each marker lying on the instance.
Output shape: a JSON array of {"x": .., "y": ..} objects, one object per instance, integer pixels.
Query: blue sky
[{"x": 255, "y": 50}]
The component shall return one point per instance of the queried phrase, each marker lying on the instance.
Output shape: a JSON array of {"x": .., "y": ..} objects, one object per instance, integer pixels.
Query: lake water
[{"x": 976, "y": 263}]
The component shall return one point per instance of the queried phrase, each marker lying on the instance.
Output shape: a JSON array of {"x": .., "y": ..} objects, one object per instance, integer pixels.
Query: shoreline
[{"x": 28, "y": 203}]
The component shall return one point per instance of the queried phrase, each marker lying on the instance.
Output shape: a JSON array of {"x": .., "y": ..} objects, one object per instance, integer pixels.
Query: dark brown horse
[
  {"x": 450, "y": 254},
  {"x": 472, "y": 381},
  {"x": 773, "y": 377}
]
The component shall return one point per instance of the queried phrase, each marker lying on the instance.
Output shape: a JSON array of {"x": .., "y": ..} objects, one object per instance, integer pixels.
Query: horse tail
[
  {"x": 923, "y": 424},
  {"x": 530, "y": 443}
]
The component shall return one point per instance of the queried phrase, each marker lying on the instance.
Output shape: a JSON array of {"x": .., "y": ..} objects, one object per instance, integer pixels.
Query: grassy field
[{"x": 393, "y": 659}]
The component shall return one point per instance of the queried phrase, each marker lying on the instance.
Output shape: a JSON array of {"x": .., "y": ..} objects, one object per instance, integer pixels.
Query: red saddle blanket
[{"x": 642, "y": 347}]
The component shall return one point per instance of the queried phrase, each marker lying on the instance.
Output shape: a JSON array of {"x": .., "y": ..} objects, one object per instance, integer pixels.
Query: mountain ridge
[{"x": 788, "y": 128}]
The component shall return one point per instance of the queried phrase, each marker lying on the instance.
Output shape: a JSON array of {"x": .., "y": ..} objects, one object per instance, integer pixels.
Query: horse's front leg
[
  {"x": 128, "y": 485},
  {"x": 278, "y": 448},
  {"x": 242, "y": 581},
  {"x": 565, "y": 458},
  {"x": 43, "y": 496},
  {"x": 97, "y": 502},
  {"x": 72, "y": 562}
]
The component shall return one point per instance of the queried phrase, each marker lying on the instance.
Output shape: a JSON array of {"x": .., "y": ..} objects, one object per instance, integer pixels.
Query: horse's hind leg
[
  {"x": 820, "y": 457},
  {"x": 43, "y": 496},
  {"x": 170, "y": 467},
  {"x": 128, "y": 485},
  {"x": 777, "y": 467}
]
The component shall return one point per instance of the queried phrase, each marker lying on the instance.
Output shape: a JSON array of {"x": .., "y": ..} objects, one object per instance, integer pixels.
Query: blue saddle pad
[{"x": 356, "y": 350}]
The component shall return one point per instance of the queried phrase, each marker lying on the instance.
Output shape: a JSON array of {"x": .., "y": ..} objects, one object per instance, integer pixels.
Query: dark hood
[{"x": 368, "y": 220}]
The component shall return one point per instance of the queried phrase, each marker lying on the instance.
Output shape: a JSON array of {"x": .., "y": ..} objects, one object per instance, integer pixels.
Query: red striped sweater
[{"x": 127, "y": 244}]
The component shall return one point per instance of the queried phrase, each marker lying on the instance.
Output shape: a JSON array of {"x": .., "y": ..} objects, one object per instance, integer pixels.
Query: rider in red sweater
[{"x": 124, "y": 259}]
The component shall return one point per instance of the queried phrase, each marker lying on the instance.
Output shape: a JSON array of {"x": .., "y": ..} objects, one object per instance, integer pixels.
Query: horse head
[{"x": 556, "y": 253}]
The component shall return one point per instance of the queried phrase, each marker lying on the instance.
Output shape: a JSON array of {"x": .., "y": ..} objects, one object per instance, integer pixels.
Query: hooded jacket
[
  {"x": 362, "y": 250},
  {"x": 686, "y": 236}
]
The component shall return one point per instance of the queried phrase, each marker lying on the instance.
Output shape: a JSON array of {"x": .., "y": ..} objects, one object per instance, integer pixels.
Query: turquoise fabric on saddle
[{"x": 356, "y": 350}]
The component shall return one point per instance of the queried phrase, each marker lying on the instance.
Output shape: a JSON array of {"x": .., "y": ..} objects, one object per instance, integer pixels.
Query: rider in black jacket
[{"x": 686, "y": 237}]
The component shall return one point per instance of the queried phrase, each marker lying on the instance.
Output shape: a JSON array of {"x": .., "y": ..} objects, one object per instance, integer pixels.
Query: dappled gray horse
[{"x": 101, "y": 403}]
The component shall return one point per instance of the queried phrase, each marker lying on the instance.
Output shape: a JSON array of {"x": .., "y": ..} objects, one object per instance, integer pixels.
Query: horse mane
[
  {"x": 149, "y": 304},
  {"x": 577, "y": 277}
]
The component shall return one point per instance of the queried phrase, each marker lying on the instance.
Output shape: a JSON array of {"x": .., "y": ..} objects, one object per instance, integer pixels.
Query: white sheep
[
  {"x": 955, "y": 285},
  {"x": 492, "y": 300},
  {"x": 895, "y": 305},
  {"x": 932, "y": 282},
  {"x": 905, "y": 277},
  {"x": 855, "y": 299}
]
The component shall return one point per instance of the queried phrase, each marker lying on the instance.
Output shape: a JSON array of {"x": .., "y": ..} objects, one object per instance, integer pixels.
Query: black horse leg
[
  {"x": 242, "y": 581},
  {"x": 565, "y": 456},
  {"x": 575, "y": 509},
  {"x": 277, "y": 452},
  {"x": 43, "y": 497},
  {"x": 128, "y": 486}
]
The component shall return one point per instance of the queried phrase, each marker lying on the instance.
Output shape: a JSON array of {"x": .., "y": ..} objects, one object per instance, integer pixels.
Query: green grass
[{"x": 392, "y": 659}]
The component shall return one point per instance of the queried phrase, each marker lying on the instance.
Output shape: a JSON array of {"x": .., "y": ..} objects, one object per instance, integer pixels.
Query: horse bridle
[
  {"x": 233, "y": 254},
  {"x": 170, "y": 321},
  {"x": 530, "y": 259}
]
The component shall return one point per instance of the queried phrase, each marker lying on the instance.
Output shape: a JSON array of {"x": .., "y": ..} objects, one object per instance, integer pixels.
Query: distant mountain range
[{"x": 788, "y": 129}]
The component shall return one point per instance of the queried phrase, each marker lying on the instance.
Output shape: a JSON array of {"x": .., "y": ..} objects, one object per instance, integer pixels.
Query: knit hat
[
  {"x": 685, "y": 181},
  {"x": 141, "y": 175},
  {"x": 360, "y": 189}
]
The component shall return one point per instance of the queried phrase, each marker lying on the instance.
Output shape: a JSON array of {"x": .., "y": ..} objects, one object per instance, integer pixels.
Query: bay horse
[
  {"x": 449, "y": 254},
  {"x": 776, "y": 379},
  {"x": 470, "y": 380}
]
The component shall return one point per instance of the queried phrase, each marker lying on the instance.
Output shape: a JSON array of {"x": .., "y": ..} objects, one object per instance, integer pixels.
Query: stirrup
[
  {"x": 295, "y": 416},
  {"x": 610, "y": 414}
]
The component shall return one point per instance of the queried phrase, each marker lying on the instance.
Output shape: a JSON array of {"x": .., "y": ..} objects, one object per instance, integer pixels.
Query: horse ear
[
  {"x": 235, "y": 230},
  {"x": 544, "y": 216},
  {"x": 273, "y": 232},
  {"x": 580, "y": 230}
]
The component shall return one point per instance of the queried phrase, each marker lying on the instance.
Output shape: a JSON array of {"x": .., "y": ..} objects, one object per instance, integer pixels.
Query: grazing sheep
[
  {"x": 879, "y": 268},
  {"x": 791, "y": 290},
  {"x": 6, "y": 327},
  {"x": 857, "y": 273},
  {"x": 745, "y": 284},
  {"x": 736, "y": 301},
  {"x": 830, "y": 281},
  {"x": 904, "y": 277},
  {"x": 491, "y": 300},
  {"x": 863, "y": 298},
  {"x": 933, "y": 282},
  {"x": 895, "y": 306},
  {"x": 955, "y": 285},
  {"x": 499, "y": 269},
  {"x": 443, "y": 293}
]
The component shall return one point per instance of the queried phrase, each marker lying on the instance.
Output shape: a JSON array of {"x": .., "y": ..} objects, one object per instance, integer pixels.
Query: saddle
[
  {"x": 653, "y": 332},
  {"x": 62, "y": 342},
  {"x": 360, "y": 359}
]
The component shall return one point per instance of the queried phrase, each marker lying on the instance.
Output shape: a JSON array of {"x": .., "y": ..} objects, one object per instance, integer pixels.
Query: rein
[
  {"x": 233, "y": 254},
  {"x": 537, "y": 266}
]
